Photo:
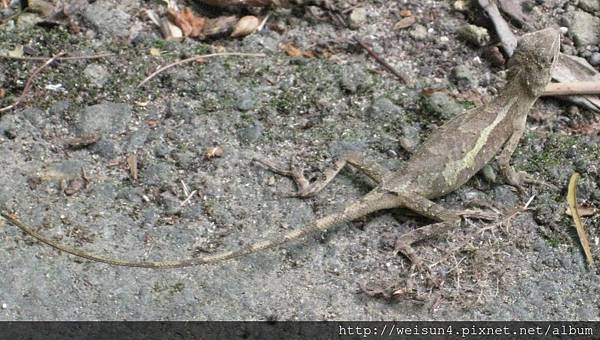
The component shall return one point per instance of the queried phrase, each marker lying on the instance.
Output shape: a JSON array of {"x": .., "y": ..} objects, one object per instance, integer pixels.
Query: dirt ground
[{"x": 331, "y": 98}]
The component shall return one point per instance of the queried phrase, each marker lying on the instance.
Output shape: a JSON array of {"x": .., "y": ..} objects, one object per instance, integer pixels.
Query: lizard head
[{"x": 534, "y": 56}]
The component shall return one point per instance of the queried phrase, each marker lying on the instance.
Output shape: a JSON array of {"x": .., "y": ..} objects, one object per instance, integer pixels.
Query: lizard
[{"x": 447, "y": 159}]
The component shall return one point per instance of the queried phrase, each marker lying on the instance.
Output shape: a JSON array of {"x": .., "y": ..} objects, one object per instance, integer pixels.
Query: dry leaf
[
  {"x": 2, "y": 93},
  {"x": 584, "y": 211},
  {"x": 213, "y": 151},
  {"x": 82, "y": 140},
  {"x": 219, "y": 26},
  {"x": 133, "y": 168},
  {"x": 5, "y": 3},
  {"x": 155, "y": 52},
  {"x": 17, "y": 52},
  {"x": 246, "y": 25},
  {"x": 291, "y": 50},
  {"x": 190, "y": 24},
  {"x": 405, "y": 22},
  {"x": 41, "y": 7},
  {"x": 170, "y": 31},
  {"x": 581, "y": 232},
  {"x": 405, "y": 13},
  {"x": 152, "y": 123}
]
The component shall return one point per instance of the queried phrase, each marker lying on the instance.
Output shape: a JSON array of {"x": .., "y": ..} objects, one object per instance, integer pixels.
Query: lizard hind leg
[
  {"x": 425, "y": 207},
  {"x": 307, "y": 189}
]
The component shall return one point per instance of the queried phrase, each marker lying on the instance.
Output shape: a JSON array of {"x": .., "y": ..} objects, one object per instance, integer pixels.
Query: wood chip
[
  {"x": 82, "y": 140},
  {"x": 405, "y": 13},
  {"x": 404, "y": 23},
  {"x": 133, "y": 168},
  {"x": 213, "y": 151}
]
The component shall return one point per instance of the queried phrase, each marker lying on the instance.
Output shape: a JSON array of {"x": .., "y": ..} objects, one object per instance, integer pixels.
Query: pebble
[
  {"x": 4, "y": 306},
  {"x": 97, "y": 74},
  {"x": 419, "y": 32},
  {"x": 475, "y": 35},
  {"x": 357, "y": 17},
  {"x": 595, "y": 59}
]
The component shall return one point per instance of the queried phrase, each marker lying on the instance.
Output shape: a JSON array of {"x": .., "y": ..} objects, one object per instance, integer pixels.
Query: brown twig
[
  {"x": 195, "y": 58},
  {"x": 28, "y": 83},
  {"x": 95, "y": 56},
  {"x": 380, "y": 60},
  {"x": 575, "y": 88}
]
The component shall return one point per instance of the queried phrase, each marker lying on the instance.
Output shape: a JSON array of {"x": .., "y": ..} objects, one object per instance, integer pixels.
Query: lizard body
[{"x": 453, "y": 153}]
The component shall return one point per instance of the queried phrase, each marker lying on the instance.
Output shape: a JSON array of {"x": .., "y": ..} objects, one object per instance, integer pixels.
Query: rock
[
  {"x": 494, "y": 56},
  {"x": 103, "y": 118},
  {"x": 105, "y": 148},
  {"x": 595, "y": 59},
  {"x": 357, "y": 18},
  {"x": 354, "y": 78},
  {"x": 584, "y": 28},
  {"x": 419, "y": 32},
  {"x": 252, "y": 132},
  {"x": 460, "y": 6},
  {"x": 474, "y": 35},
  {"x": 246, "y": 101},
  {"x": 463, "y": 77},
  {"x": 441, "y": 105},
  {"x": 105, "y": 17},
  {"x": 27, "y": 20},
  {"x": 489, "y": 173},
  {"x": 34, "y": 116},
  {"x": 138, "y": 138},
  {"x": 383, "y": 107},
  {"x": 97, "y": 74},
  {"x": 410, "y": 137},
  {"x": 505, "y": 196},
  {"x": 589, "y": 5}
]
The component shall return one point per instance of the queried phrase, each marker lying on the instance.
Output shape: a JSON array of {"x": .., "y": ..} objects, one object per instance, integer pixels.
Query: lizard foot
[
  {"x": 518, "y": 178},
  {"x": 296, "y": 173}
]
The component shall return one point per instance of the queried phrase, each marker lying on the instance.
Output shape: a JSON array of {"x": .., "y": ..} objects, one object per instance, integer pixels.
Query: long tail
[{"x": 365, "y": 206}]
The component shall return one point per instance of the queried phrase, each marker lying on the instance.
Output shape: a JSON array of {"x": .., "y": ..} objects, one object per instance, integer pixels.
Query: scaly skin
[{"x": 446, "y": 160}]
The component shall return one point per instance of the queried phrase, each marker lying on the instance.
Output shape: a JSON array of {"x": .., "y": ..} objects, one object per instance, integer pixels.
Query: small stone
[
  {"x": 106, "y": 117},
  {"x": 463, "y": 77},
  {"x": 97, "y": 74},
  {"x": 354, "y": 78},
  {"x": 589, "y": 5},
  {"x": 10, "y": 133},
  {"x": 106, "y": 17},
  {"x": 595, "y": 59},
  {"x": 489, "y": 173},
  {"x": 419, "y": 32},
  {"x": 460, "y": 6},
  {"x": 584, "y": 28},
  {"x": 357, "y": 18},
  {"x": 246, "y": 102},
  {"x": 494, "y": 56},
  {"x": 4, "y": 306},
  {"x": 474, "y": 35},
  {"x": 440, "y": 104},
  {"x": 563, "y": 30},
  {"x": 252, "y": 132}
]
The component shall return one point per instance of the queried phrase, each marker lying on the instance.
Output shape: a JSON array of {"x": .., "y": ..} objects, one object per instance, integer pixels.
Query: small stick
[
  {"x": 380, "y": 60},
  {"x": 575, "y": 88},
  {"x": 95, "y": 56},
  {"x": 28, "y": 83},
  {"x": 197, "y": 57}
]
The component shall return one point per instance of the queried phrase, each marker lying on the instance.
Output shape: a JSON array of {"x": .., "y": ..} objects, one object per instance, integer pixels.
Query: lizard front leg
[
  {"x": 307, "y": 189},
  {"x": 513, "y": 177}
]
